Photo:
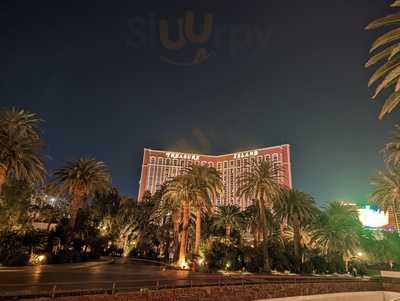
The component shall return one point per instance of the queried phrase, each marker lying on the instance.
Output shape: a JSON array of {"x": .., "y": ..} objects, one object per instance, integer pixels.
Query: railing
[{"x": 111, "y": 287}]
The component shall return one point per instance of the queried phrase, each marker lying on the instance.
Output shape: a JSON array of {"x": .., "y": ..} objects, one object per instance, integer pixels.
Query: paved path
[{"x": 101, "y": 276}]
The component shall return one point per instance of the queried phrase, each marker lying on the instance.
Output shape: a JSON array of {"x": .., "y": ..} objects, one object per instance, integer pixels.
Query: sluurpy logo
[{"x": 184, "y": 42}]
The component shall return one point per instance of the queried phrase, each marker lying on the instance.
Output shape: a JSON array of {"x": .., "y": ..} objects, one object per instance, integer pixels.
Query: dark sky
[{"x": 276, "y": 72}]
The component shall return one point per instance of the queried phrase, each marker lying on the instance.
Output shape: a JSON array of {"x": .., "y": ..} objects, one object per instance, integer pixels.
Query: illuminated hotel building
[
  {"x": 160, "y": 166},
  {"x": 375, "y": 218}
]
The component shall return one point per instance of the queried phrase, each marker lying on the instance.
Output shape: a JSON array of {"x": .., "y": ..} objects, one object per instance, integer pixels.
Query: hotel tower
[{"x": 160, "y": 166}]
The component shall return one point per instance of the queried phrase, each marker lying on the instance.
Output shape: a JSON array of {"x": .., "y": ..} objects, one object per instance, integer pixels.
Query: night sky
[{"x": 274, "y": 72}]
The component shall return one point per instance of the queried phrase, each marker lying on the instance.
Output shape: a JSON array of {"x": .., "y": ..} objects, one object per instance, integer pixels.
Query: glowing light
[
  {"x": 182, "y": 156},
  {"x": 183, "y": 265},
  {"x": 37, "y": 259},
  {"x": 359, "y": 254},
  {"x": 245, "y": 154},
  {"x": 373, "y": 218},
  {"x": 41, "y": 258}
]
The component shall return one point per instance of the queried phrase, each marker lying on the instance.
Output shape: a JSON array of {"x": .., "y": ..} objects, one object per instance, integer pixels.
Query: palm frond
[
  {"x": 388, "y": 52},
  {"x": 390, "y": 104},
  {"x": 390, "y": 79},
  {"x": 387, "y": 20},
  {"x": 382, "y": 70},
  {"x": 386, "y": 38}
]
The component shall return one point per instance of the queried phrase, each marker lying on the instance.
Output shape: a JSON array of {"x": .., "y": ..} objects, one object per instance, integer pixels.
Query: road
[
  {"x": 100, "y": 277},
  {"x": 133, "y": 275}
]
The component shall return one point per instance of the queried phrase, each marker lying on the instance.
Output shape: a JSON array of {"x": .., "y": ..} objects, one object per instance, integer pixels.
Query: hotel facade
[{"x": 160, "y": 166}]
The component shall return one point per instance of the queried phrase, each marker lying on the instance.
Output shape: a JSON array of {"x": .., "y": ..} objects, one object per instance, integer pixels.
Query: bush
[
  {"x": 223, "y": 255},
  {"x": 317, "y": 264},
  {"x": 12, "y": 249},
  {"x": 360, "y": 267},
  {"x": 253, "y": 259},
  {"x": 67, "y": 256},
  {"x": 336, "y": 264},
  {"x": 18, "y": 259},
  {"x": 281, "y": 258}
]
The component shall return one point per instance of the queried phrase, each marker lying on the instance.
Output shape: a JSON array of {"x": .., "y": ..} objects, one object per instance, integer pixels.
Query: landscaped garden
[{"x": 85, "y": 217}]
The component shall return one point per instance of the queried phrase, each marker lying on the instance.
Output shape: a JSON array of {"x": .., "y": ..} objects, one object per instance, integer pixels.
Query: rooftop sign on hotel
[
  {"x": 245, "y": 154},
  {"x": 182, "y": 156}
]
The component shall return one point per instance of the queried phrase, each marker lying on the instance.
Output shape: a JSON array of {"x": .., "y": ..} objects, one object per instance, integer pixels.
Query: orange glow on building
[{"x": 159, "y": 166}]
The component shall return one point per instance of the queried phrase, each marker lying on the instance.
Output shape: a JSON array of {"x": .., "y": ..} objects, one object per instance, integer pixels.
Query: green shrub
[
  {"x": 317, "y": 264},
  {"x": 17, "y": 259},
  {"x": 12, "y": 249},
  {"x": 253, "y": 259},
  {"x": 360, "y": 266},
  {"x": 221, "y": 255}
]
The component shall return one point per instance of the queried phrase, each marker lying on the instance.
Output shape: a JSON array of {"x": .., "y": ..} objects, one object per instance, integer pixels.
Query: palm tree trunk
[
  {"x": 176, "y": 216},
  {"x": 49, "y": 225},
  {"x": 73, "y": 209},
  {"x": 3, "y": 177},
  {"x": 258, "y": 236},
  {"x": 267, "y": 267},
  {"x": 346, "y": 263},
  {"x": 255, "y": 237},
  {"x": 228, "y": 230},
  {"x": 185, "y": 234},
  {"x": 395, "y": 216},
  {"x": 198, "y": 232},
  {"x": 296, "y": 242}
]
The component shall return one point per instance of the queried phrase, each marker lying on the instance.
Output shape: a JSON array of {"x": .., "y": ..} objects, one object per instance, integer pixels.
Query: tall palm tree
[
  {"x": 387, "y": 191},
  {"x": 337, "y": 231},
  {"x": 228, "y": 217},
  {"x": 78, "y": 180},
  {"x": 298, "y": 209},
  {"x": 207, "y": 181},
  {"x": 20, "y": 146},
  {"x": 389, "y": 55},
  {"x": 182, "y": 191},
  {"x": 261, "y": 184}
]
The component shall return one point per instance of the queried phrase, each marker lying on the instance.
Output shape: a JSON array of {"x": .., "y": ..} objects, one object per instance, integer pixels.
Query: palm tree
[
  {"x": 170, "y": 208},
  {"x": 387, "y": 191},
  {"x": 392, "y": 149},
  {"x": 390, "y": 68},
  {"x": 250, "y": 219},
  {"x": 228, "y": 217},
  {"x": 298, "y": 209},
  {"x": 20, "y": 145},
  {"x": 78, "y": 180},
  {"x": 337, "y": 231},
  {"x": 261, "y": 184},
  {"x": 182, "y": 191},
  {"x": 207, "y": 181},
  {"x": 123, "y": 224}
]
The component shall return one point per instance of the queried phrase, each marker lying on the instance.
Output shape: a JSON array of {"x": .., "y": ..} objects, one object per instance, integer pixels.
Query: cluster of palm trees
[
  {"x": 197, "y": 189},
  {"x": 334, "y": 231},
  {"x": 21, "y": 158}
]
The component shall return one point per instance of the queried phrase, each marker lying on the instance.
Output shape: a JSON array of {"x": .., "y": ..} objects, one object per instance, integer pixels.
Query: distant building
[
  {"x": 375, "y": 218},
  {"x": 159, "y": 166}
]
